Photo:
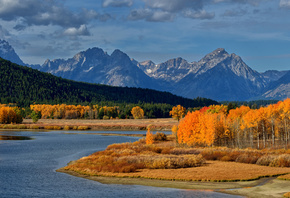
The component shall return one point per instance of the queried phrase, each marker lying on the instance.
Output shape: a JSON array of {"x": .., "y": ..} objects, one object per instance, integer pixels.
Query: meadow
[{"x": 161, "y": 124}]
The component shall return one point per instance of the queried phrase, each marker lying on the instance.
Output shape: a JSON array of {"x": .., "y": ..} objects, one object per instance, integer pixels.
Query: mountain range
[
  {"x": 23, "y": 85},
  {"x": 219, "y": 75}
]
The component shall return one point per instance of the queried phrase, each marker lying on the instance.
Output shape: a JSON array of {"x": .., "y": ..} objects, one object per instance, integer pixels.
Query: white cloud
[
  {"x": 160, "y": 16},
  {"x": 284, "y": 4},
  {"x": 81, "y": 31}
]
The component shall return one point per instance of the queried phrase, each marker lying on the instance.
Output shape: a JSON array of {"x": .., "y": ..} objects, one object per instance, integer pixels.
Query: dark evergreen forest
[{"x": 24, "y": 86}]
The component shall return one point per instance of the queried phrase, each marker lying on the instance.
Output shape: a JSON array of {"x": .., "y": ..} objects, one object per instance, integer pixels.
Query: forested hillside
[{"x": 24, "y": 86}]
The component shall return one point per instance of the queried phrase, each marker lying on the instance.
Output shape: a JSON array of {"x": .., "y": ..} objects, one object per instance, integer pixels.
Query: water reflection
[{"x": 10, "y": 137}]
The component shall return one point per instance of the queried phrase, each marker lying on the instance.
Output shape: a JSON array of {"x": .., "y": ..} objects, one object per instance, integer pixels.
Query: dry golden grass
[
  {"x": 117, "y": 124},
  {"x": 213, "y": 171},
  {"x": 129, "y": 157},
  {"x": 285, "y": 177},
  {"x": 158, "y": 160}
]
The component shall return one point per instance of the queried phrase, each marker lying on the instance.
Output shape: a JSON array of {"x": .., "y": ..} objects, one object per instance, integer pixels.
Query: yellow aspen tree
[
  {"x": 149, "y": 137},
  {"x": 177, "y": 112},
  {"x": 137, "y": 112}
]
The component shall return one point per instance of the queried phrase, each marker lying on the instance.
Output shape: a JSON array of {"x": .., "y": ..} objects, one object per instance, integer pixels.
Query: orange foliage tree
[
  {"x": 63, "y": 111},
  {"x": 241, "y": 127},
  {"x": 9, "y": 115},
  {"x": 149, "y": 137}
]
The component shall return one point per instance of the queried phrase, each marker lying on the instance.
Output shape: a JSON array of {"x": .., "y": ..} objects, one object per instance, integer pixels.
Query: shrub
[
  {"x": 57, "y": 127},
  {"x": 6, "y": 126},
  {"x": 180, "y": 151},
  {"x": 160, "y": 137},
  {"x": 156, "y": 149},
  {"x": 21, "y": 126},
  {"x": 49, "y": 127},
  {"x": 35, "y": 116},
  {"x": 226, "y": 158},
  {"x": 166, "y": 150},
  {"x": 166, "y": 162},
  {"x": 210, "y": 154},
  {"x": 66, "y": 128},
  {"x": 248, "y": 158},
  {"x": 106, "y": 117},
  {"x": 265, "y": 160},
  {"x": 34, "y": 127},
  {"x": 281, "y": 161},
  {"x": 83, "y": 127},
  {"x": 149, "y": 137}
]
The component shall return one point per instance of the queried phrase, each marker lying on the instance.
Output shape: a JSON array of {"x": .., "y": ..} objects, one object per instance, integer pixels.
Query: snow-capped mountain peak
[{"x": 7, "y": 52}]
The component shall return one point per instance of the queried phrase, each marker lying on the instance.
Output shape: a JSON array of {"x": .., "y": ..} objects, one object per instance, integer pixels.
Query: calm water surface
[{"x": 27, "y": 168}]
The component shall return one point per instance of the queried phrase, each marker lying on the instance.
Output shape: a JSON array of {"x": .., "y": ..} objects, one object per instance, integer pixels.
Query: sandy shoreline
[{"x": 264, "y": 187}]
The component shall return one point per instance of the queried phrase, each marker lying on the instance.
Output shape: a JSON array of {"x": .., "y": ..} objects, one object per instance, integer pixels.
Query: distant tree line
[{"x": 121, "y": 111}]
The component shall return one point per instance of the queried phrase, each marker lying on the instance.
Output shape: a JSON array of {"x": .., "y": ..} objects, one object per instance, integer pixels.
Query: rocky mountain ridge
[
  {"x": 218, "y": 75},
  {"x": 7, "y": 52}
]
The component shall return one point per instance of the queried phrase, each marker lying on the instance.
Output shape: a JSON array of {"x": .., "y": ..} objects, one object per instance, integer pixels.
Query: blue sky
[{"x": 256, "y": 30}]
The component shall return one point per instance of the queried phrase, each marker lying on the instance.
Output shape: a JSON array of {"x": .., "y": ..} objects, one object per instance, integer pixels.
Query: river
[{"x": 27, "y": 167}]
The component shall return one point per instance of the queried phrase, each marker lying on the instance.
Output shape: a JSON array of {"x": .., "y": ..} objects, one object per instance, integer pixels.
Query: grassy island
[{"x": 166, "y": 164}]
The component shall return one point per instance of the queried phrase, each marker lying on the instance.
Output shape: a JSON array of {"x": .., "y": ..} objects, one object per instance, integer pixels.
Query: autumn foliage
[
  {"x": 267, "y": 127},
  {"x": 9, "y": 115},
  {"x": 177, "y": 112},
  {"x": 129, "y": 157},
  {"x": 149, "y": 137},
  {"x": 137, "y": 112},
  {"x": 63, "y": 111}
]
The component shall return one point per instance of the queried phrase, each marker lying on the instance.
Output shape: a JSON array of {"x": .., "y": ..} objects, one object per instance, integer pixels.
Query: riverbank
[
  {"x": 160, "y": 124},
  {"x": 264, "y": 187},
  {"x": 211, "y": 175}
]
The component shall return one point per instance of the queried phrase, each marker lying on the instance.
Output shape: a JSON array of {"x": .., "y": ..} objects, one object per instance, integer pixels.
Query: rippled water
[{"x": 27, "y": 168}]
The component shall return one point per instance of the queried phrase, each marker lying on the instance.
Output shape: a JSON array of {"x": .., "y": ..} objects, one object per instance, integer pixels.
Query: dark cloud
[
  {"x": 45, "y": 12},
  {"x": 104, "y": 17},
  {"x": 117, "y": 3},
  {"x": 165, "y": 10},
  {"x": 3, "y": 33},
  {"x": 139, "y": 14},
  {"x": 150, "y": 15},
  {"x": 175, "y": 5},
  {"x": 41, "y": 36},
  {"x": 235, "y": 12},
  {"x": 250, "y": 2},
  {"x": 20, "y": 27},
  {"x": 201, "y": 14}
]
